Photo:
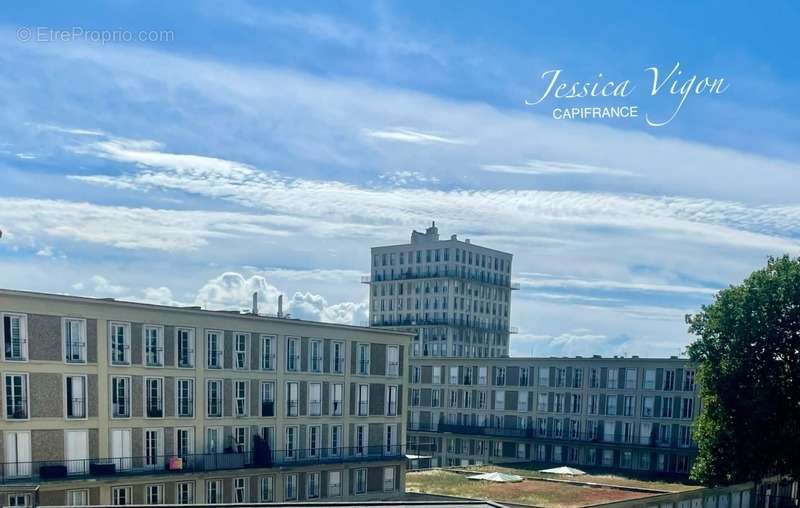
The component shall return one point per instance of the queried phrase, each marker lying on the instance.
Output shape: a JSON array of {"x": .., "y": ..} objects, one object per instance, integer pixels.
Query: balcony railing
[
  {"x": 17, "y": 409},
  {"x": 59, "y": 470},
  {"x": 452, "y": 274},
  {"x": 465, "y": 323},
  {"x": 155, "y": 409},
  {"x": 534, "y": 434},
  {"x": 76, "y": 408}
]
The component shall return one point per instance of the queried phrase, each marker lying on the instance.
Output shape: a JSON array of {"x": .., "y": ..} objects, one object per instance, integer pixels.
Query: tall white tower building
[{"x": 456, "y": 296}]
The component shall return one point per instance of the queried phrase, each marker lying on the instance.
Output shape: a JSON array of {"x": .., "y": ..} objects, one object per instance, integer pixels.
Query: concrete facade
[
  {"x": 617, "y": 413},
  {"x": 454, "y": 295},
  {"x": 96, "y": 381}
]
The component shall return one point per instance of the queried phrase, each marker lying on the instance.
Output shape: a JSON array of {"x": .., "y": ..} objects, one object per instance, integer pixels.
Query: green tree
[{"x": 748, "y": 359}]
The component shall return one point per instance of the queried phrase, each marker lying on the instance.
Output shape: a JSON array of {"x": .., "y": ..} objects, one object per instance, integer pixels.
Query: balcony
[
  {"x": 155, "y": 409},
  {"x": 450, "y": 274},
  {"x": 60, "y": 470},
  {"x": 580, "y": 437},
  {"x": 465, "y": 323}
]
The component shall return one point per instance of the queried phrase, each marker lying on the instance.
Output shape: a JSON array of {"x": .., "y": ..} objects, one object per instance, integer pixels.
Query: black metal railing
[
  {"x": 17, "y": 408},
  {"x": 550, "y": 435},
  {"x": 120, "y": 407},
  {"x": 495, "y": 280},
  {"x": 155, "y": 409},
  {"x": 35, "y": 471},
  {"x": 457, "y": 322},
  {"x": 76, "y": 408}
]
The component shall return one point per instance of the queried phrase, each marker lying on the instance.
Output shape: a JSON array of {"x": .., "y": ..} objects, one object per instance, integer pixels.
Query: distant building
[
  {"x": 456, "y": 296},
  {"x": 111, "y": 402}
]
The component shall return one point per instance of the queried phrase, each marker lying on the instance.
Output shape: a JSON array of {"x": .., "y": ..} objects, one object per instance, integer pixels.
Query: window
[
  {"x": 214, "y": 350},
  {"x": 630, "y": 379},
  {"x": 500, "y": 399},
  {"x": 153, "y": 447},
  {"x": 522, "y": 402},
  {"x": 541, "y": 402},
  {"x": 337, "y": 390},
  {"x": 154, "y": 393},
  {"x": 77, "y": 497},
  {"x": 391, "y": 400},
  {"x": 575, "y": 406},
  {"x": 315, "y": 346},
  {"x": 15, "y": 337},
  {"x": 240, "y": 398},
  {"x": 363, "y": 400},
  {"x": 687, "y": 408},
  {"x": 363, "y": 359},
  {"x": 184, "y": 493},
  {"x": 435, "y": 402},
  {"x": 291, "y": 442},
  {"x": 393, "y": 360},
  {"x": 561, "y": 377},
  {"x": 388, "y": 479},
  {"x": 267, "y": 494},
  {"x": 240, "y": 490},
  {"x": 120, "y": 343},
  {"x": 611, "y": 405},
  {"x": 214, "y": 440},
  {"x": 608, "y": 458},
  {"x": 500, "y": 376},
  {"x": 390, "y": 434},
  {"x": 153, "y": 346},
  {"x": 362, "y": 442},
  {"x": 314, "y": 399},
  {"x": 666, "y": 407},
  {"x": 481, "y": 375},
  {"x": 291, "y": 399},
  {"x": 611, "y": 380},
  {"x": 293, "y": 354},
  {"x": 559, "y": 402},
  {"x": 185, "y": 398},
  {"x": 594, "y": 378},
  {"x": 684, "y": 436},
  {"x": 338, "y": 357},
  {"x": 360, "y": 486},
  {"x": 688, "y": 381},
  {"x": 649, "y": 379},
  {"x": 121, "y": 496},
  {"x": 75, "y": 396},
  {"x": 267, "y": 353},
  {"x": 120, "y": 397},
  {"x": 669, "y": 380},
  {"x": 336, "y": 440},
  {"x": 524, "y": 376},
  {"x": 153, "y": 494},
  {"x": 648, "y": 406},
  {"x": 436, "y": 375},
  {"x": 213, "y": 491},
  {"x": 312, "y": 485},
  {"x": 16, "y": 390},
  {"x": 214, "y": 398},
  {"x": 544, "y": 376},
  {"x": 290, "y": 487},
  {"x": 185, "y": 341},
  {"x": 628, "y": 404},
  {"x": 20, "y": 500},
  {"x": 184, "y": 441},
  {"x": 240, "y": 341},
  {"x": 314, "y": 439},
  {"x": 17, "y": 454},
  {"x": 74, "y": 342},
  {"x": 577, "y": 378},
  {"x": 267, "y": 398},
  {"x": 334, "y": 483},
  {"x": 593, "y": 408}
]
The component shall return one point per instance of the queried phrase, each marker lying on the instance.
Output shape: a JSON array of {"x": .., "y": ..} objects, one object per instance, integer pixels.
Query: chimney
[
  {"x": 255, "y": 303},
  {"x": 280, "y": 305}
]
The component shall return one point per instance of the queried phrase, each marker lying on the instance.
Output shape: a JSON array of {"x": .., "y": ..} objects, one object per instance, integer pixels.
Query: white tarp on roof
[
  {"x": 496, "y": 477},
  {"x": 563, "y": 470}
]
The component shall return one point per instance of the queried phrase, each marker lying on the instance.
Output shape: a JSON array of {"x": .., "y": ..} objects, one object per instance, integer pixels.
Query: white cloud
[
  {"x": 412, "y": 136},
  {"x": 100, "y": 286},
  {"x": 537, "y": 167},
  {"x": 576, "y": 283}
]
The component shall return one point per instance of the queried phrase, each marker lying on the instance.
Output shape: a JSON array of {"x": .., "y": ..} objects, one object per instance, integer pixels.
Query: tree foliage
[{"x": 748, "y": 360}]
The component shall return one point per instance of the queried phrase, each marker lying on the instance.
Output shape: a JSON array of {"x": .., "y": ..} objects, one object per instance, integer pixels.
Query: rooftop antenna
[{"x": 280, "y": 305}]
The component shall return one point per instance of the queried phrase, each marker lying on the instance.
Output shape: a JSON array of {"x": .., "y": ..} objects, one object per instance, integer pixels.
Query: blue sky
[{"x": 267, "y": 146}]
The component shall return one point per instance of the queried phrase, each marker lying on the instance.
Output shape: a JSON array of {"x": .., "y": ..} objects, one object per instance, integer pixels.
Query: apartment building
[
  {"x": 111, "y": 402},
  {"x": 453, "y": 295},
  {"x": 622, "y": 413}
]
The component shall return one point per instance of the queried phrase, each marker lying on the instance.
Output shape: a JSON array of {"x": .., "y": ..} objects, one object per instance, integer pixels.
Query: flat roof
[
  {"x": 194, "y": 310},
  {"x": 513, "y": 359}
]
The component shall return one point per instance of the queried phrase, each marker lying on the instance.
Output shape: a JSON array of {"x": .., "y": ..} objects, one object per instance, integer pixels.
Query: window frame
[
  {"x": 66, "y": 399},
  {"x": 27, "y": 395},
  {"x": 192, "y": 343},
  {"x": 126, "y": 343},
  {"x": 84, "y": 348},
  {"x": 236, "y": 352},
  {"x": 159, "y": 346}
]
